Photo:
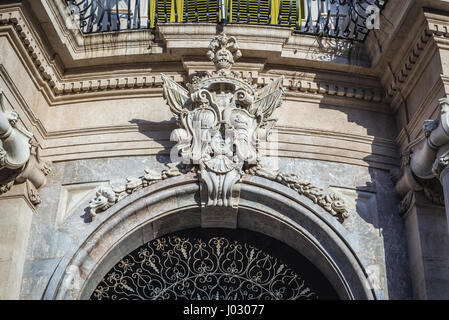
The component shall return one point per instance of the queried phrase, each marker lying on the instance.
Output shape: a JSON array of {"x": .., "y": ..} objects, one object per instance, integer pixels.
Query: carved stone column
[
  {"x": 424, "y": 186},
  {"x": 428, "y": 244},
  {"x": 444, "y": 178},
  {"x": 16, "y": 213},
  {"x": 430, "y": 157}
]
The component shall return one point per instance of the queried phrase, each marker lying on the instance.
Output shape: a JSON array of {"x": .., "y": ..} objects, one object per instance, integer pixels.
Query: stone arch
[{"x": 173, "y": 205}]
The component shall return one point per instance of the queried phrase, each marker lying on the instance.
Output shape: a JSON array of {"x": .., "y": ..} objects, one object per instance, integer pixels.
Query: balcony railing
[{"x": 348, "y": 19}]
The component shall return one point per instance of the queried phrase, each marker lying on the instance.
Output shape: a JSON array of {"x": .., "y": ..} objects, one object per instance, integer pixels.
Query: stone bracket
[{"x": 219, "y": 216}]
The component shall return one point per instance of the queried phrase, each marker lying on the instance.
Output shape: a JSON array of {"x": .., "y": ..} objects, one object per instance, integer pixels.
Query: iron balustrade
[{"x": 348, "y": 19}]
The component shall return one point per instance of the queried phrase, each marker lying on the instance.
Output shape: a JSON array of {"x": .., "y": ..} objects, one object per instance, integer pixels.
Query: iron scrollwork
[{"x": 215, "y": 268}]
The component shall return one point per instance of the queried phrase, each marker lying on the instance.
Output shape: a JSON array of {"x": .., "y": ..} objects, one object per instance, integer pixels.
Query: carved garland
[{"x": 106, "y": 197}]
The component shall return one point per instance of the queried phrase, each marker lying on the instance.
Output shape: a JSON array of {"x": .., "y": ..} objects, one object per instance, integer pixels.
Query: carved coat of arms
[
  {"x": 222, "y": 119},
  {"x": 223, "y": 122}
]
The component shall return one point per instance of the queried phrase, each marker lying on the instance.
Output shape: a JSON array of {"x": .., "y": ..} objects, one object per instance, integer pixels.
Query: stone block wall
[{"x": 373, "y": 224}]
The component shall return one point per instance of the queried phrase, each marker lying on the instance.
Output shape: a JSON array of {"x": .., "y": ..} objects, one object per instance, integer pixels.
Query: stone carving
[
  {"x": 425, "y": 160},
  {"x": 6, "y": 187},
  {"x": 14, "y": 147},
  {"x": 33, "y": 194},
  {"x": 429, "y": 126},
  {"x": 433, "y": 191},
  {"x": 223, "y": 51},
  {"x": 440, "y": 163},
  {"x": 222, "y": 119},
  {"x": 405, "y": 203},
  {"x": 330, "y": 202},
  {"x": 20, "y": 161},
  {"x": 107, "y": 196}
]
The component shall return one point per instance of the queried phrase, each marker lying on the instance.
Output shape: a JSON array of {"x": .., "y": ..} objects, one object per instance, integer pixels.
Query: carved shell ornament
[{"x": 222, "y": 119}]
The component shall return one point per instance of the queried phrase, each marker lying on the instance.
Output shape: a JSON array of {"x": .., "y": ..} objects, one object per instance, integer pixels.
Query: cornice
[
  {"x": 61, "y": 90},
  {"x": 415, "y": 127},
  {"x": 83, "y": 46},
  {"x": 434, "y": 36},
  {"x": 68, "y": 87},
  {"x": 32, "y": 45},
  {"x": 380, "y": 42},
  {"x": 400, "y": 81},
  {"x": 361, "y": 150}
]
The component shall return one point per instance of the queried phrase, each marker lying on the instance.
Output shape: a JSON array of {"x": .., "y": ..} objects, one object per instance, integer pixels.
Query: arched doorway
[
  {"x": 214, "y": 264},
  {"x": 172, "y": 207}
]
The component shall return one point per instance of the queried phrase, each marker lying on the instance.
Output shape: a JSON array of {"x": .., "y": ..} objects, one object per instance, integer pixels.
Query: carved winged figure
[
  {"x": 222, "y": 117},
  {"x": 222, "y": 120}
]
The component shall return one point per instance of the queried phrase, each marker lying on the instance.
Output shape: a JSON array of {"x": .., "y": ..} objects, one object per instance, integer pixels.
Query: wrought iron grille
[
  {"x": 349, "y": 19},
  {"x": 201, "y": 265}
]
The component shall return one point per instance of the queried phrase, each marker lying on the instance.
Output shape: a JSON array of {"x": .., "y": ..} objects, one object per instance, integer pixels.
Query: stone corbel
[
  {"x": 426, "y": 161},
  {"x": 423, "y": 160},
  {"x": 20, "y": 160}
]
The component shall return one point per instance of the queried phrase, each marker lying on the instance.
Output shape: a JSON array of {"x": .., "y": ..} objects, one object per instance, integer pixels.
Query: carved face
[
  {"x": 223, "y": 59},
  {"x": 239, "y": 120}
]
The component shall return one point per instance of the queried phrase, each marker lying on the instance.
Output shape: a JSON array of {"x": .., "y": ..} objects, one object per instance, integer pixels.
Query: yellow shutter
[
  {"x": 203, "y": 7},
  {"x": 179, "y": 10},
  {"x": 275, "y": 11},
  {"x": 285, "y": 9},
  {"x": 152, "y": 12},
  {"x": 166, "y": 13},
  {"x": 248, "y": 11}
]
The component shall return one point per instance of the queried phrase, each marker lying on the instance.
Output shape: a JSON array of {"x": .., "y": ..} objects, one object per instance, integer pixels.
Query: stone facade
[{"x": 348, "y": 192}]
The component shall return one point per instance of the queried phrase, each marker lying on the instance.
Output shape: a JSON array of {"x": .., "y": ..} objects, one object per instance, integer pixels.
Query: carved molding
[
  {"x": 440, "y": 163},
  {"x": 431, "y": 189},
  {"x": 15, "y": 18},
  {"x": 108, "y": 196},
  {"x": 51, "y": 74},
  {"x": 331, "y": 202},
  {"x": 409, "y": 64},
  {"x": 20, "y": 161},
  {"x": 223, "y": 118}
]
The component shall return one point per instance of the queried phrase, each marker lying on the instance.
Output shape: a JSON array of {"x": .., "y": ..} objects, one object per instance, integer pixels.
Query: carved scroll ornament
[
  {"x": 20, "y": 161},
  {"x": 222, "y": 120}
]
